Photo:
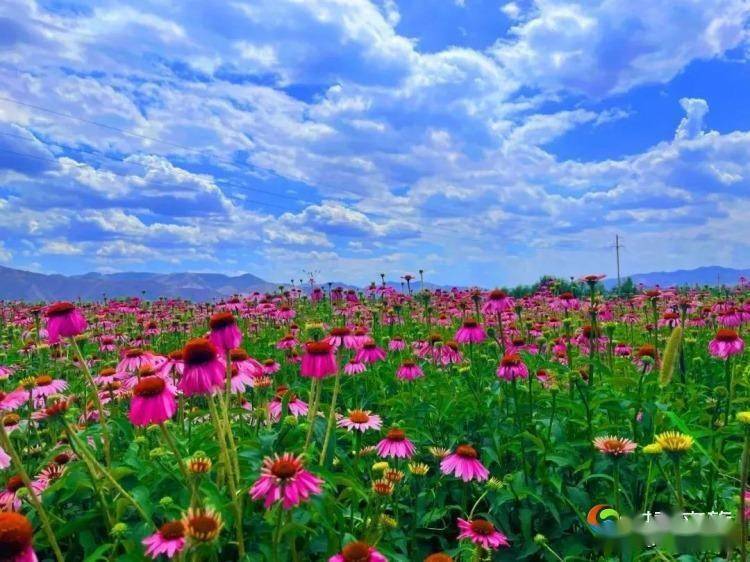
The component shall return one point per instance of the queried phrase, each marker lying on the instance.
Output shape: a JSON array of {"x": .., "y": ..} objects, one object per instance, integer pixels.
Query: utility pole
[{"x": 617, "y": 253}]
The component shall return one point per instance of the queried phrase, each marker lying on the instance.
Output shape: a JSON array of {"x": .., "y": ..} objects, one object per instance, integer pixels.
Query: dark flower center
[
  {"x": 16, "y": 533},
  {"x": 318, "y": 348},
  {"x": 284, "y": 469},
  {"x": 59, "y": 309},
  {"x": 482, "y": 527},
  {"x": 396, "y": 435},
  {"x": 466, "y": 452},
  {"x": 199, "y": 351},
  {"x": 172, "y": 530},
  {"x": 356, "y": 552},
  {"x": 221, "y": 320},
  {"x": 498, "y": 294},
  {"x": 340, "y": 332},
  {"x": 726, "y": 335},
  {"x": 150, "y": 386},
  {"x": 43, "y": 380},
  {"x": 511, "y": 360},
  {"x": 470, "y": 324},
  {"x": 133, "y": 353}
]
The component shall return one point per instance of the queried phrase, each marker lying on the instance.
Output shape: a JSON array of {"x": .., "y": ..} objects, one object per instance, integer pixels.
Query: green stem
[
  {"x": 331, "y": 417},
  {"x": 11, "y": 450}
]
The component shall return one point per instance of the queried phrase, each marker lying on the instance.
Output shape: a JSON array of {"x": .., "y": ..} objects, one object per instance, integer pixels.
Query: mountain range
[{"x": 16, "y": 284}]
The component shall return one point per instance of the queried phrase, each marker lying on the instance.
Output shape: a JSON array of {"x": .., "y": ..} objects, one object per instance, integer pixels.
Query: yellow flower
[
  {"x": 388, "y": 521},
  {"x": 380, "y": 466},
  {"x": 743, "y": 417},
  {"x": 418, "y": 468},
  {"x": 652, "y": 449},
  {"x": 674, "y": 442}
]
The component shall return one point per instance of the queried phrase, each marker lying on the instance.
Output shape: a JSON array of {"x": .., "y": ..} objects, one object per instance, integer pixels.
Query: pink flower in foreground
[
  {"x": 318, "y": 361},
  {"x": 354, "y": 367},
  {"x": 370, "y": 352},
  {"x": 483, "y": 533},
  {"x": 409, "y": 370},
  {"x": 16, "y": 535},
  {"x": 284, "y": 479},
  {"x": 63, "y": 320},
  {"x": 614, "y": 446},
  {"x": 358, "y": 551},
  {"x": 359, "y": 420},
  {"x": 396, "y": 445},
  {"x": 203, "y": 372},
  {"x": 725, "y": 344},
  {"x": 511, "y": 367},
  {"x": 470, "y": 332},
  {"x": 153, "y": 402},
  {"x": 168, "y": 540},
  {"x": 464, "y": 464},
  {"x": 225, "y": 334}
]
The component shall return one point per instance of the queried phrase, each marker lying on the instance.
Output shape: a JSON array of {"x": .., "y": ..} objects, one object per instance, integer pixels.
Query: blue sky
[{"x": 486, "y": 142}]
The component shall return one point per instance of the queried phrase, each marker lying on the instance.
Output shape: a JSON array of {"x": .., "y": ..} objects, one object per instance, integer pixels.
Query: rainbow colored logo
[{"x": 602, "y": 519}]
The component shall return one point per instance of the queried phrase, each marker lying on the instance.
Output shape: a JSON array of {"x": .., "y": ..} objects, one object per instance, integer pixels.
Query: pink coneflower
[
  {"x": 646, "y": 358},
  {"x": 153, "y": 402},
  {"x": 395, "y": 445},
  {"x": 287, "y": 342},
  {"x": 225, "y": 334},
  {"x": 354, "y": 367},
  {"x": 168, "y": 540},
  {"x": 464, "y": 464},
  {"x": 497, "y": 302},
  {"x": 725, "y": 344},
  {"x": 396, "y": 344},
  {"x": 622, "y": 350},
  {"x": 512, "y": 367},
  {"x": 47, "y": 476},
  {"x": 448, "y": 353},
  {"x": 470, "y": 332},
  {"x": 358, "y": 551},
  {"x": 614, "y": 446},
  {"x": 107, "y": 343},
  {"x": 295, "y": 406},
  {"x": 9, "y": 500},
  {"x": 4, "y": 459},
  {"x": 318, "y": 361},
  {"x": 270, "y": 366},
  {"x": 483, "y": 533},
  {"x": 173, "y": 366},
  {"x": 134, "y": 358},
  {"x": 370, "y": 352},
  {"x": 63, "y": 320},
  {"x": 46, "y": 386},
  {"x": 360, "y": 420},
  {"x": 342, "y": 336},
  {"x": 283, "y": 478},
  {"x": 204, "y": 372},
  {"x": 409, "y": 370},
  {"x": 16, "y": 535},
  {"x": 565, "y": 301},
  {"x": 13, "y": 400}
]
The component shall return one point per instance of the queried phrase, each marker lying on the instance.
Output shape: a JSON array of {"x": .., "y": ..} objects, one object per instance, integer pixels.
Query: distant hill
[
  {"x": 16, "y": 284},
  {"x": 30, "y": 286},
  {"x": 710, "y": 275}
]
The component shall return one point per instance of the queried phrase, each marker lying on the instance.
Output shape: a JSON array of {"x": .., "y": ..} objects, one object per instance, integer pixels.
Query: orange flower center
[
  {"x": 466, "y": 451},
  {"x": 16, "y": 533},
  {"x": 221, "y": 320},
  {"x": 396, "y": 435},
  {"x": 358, "y": 416}
]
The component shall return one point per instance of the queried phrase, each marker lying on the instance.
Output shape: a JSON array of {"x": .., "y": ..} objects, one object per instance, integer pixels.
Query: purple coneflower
[
  {"x": 358, "y": 551},
  {"x": 225, "y": 334},
  {"x": 483, "y": 533},
  {"x": 360, "y": 420},
  {"x": 16, "y": 535},
  {"x": 153, "y": 402},
  {"x": 318, "y": 361},
  {"x": 470, "y": 332},
  {"x": 204, "y": 371},
  {"x": 409, "y": 370},
  {"x": 370, "y": 352},
  {"x": 512, "y": 367},
  {"x": 464, "y": 464},
  {"x": 395, "y": 444},
  {"x": 725, "y": 344},
  {"x": 168, "y": 540},
  {"x": 283, "y": 478}
]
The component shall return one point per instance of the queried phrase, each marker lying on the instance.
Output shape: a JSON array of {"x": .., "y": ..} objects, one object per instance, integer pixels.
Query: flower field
[{"x": 328, "y": 424}]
